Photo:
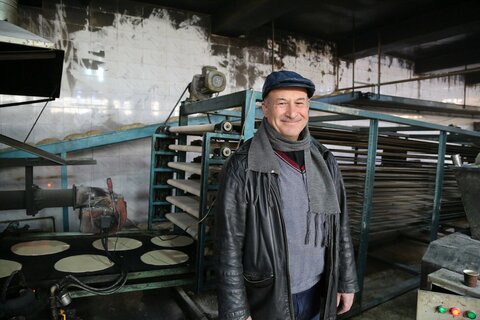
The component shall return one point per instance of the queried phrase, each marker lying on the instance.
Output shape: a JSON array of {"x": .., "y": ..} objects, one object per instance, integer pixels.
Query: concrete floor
[{"x": 400, "y": 308}]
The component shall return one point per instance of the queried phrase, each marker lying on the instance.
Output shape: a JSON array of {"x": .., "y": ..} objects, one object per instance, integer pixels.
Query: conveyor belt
[{"x": 40, "y": 270}]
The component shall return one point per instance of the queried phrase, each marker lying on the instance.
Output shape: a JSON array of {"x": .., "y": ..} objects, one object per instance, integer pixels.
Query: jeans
[{"x": 306, "y": 304}]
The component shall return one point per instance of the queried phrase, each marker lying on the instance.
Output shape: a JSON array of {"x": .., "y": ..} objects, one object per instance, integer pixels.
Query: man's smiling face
[{"x": 286, "y": 110}]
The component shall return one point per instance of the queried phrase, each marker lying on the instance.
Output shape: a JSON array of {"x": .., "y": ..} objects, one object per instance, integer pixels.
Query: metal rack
[
  {"x": 370, "y": 165},
  {"x": 193, "y": 199}
]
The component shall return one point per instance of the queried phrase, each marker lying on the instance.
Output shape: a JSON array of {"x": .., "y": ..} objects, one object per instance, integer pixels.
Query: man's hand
[
  {"x": 344, "y": 302},
  {"x": 249, "y": 318}
]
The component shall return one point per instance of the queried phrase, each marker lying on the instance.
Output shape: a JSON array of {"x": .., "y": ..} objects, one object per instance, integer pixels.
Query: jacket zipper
[{"x": 290, "y": 302}]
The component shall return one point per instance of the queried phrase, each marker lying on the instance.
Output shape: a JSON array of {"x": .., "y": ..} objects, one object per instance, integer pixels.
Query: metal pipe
[
  {"x": 353, "y": 51},
  {"x": 367, "y": 204},
  {"x": 439, "y": 75},
  {"x": 193, "y": 129},
  {"x": 225, "y": 126},
  {"x": 379, "y": 53},
  {"x": 13, "y": 200},
  {"x": 442, "y": 145}
]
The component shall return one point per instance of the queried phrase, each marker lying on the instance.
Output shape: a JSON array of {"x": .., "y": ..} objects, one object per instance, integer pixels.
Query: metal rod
[
  {"x": 25, "y": 102},
  {"x": 379, "y": 53},
  {"x": 200, "y": 128},
  {"x": 440, "y": 75},
  {"x": 442, "y": 141},
  {"x": 273, "y": 45},
  {"x": 35, "y": 123},
  {"x": 353, "y": 52},
  {"x": 64, "y": 181},
  {"x": 392, "y": 292},
  {"x": 28, "y": 203},
  {"x": 465, "y": 92},
  {"x": 248, "y": 114},
  {"x": 176, "y": 103},
  {"x": 367, "y": 204},
  {"x": 203, "y": 210},
  {"x": 36, "y": 151},
  {"x": 224, "y": 126}
]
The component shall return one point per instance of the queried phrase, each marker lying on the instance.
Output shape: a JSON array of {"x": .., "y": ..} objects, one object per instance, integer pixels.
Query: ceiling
[{"x": 434, "y": 35}]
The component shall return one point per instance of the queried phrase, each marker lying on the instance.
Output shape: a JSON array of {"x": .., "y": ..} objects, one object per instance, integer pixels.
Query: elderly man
[{"x": 283, "y": 239}]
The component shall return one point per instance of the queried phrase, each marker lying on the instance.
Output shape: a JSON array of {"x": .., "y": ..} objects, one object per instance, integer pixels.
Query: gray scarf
[{"x": 321, "y": 193}]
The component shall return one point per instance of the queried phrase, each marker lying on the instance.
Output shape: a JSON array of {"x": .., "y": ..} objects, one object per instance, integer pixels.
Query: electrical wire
[
  {"x": 36, "y": 120},
  {"x": 44, "y": 106},
  {"x": 204, "y": 217},
  {"x": 7, "y": 282},
  {"x": 175, "y": 106},
  {"x": 71, "y": 281}
]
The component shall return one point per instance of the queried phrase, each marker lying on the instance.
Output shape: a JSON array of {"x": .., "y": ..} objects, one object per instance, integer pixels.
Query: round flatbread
[
  {"x": 39, "y": 247},
  {"x": 83, "y": 263},
  {"x": 118, "y": 244},
  {"x": 7, "y": 267},
  {"x": 172, "y": 241},
  {"x": 164, "y": 257}
]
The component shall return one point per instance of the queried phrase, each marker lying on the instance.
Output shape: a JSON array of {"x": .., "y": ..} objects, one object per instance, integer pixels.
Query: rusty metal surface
[
  {"x": 468, "y": 179},
  {"x": 428, "y": 301},
  {"x": 454, "y": 252},
  {"x": 13, "y": 34}
]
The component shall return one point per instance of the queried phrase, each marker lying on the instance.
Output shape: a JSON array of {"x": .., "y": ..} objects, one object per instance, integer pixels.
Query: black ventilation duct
[{"x": 30, "y": 65}]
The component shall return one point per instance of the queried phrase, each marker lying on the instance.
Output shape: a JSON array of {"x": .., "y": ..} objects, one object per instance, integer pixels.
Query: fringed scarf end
[{"x": 307, "y": 234}]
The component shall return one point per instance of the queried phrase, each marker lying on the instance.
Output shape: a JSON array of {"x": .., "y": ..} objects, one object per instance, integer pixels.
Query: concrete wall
[{"x": 129, "y": 62}]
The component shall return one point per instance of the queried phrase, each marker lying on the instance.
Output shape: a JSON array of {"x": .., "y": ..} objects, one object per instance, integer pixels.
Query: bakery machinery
[
  {"x": 186, "y": 156},
  {"x": 450, "y": 266},
  {"x": 125, "y": 260}
]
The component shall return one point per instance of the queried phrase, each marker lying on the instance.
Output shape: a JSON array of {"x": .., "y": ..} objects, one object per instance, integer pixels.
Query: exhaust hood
[{"x": 30, "y": 65}]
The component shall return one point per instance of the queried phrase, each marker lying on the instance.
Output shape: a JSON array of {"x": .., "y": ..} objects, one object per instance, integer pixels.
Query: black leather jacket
[{"x": 252, "y": 267}]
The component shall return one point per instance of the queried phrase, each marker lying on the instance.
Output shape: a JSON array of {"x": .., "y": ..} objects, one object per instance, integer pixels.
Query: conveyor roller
[
  {"x": 193, "y": 167},
  {"x": 190, "y": 186},
  {"x": 224, "y": 126},
  {"x": 184, "y": 221},
  {"x": 185, "y": 148},
  {"x": 186, "y": 203}
]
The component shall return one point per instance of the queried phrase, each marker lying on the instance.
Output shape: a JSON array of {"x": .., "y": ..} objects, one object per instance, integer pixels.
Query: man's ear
[{"x": 264, "y": 108}]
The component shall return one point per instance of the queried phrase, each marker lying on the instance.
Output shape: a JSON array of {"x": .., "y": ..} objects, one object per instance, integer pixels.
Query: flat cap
[{"x": 283, "y": 79}]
